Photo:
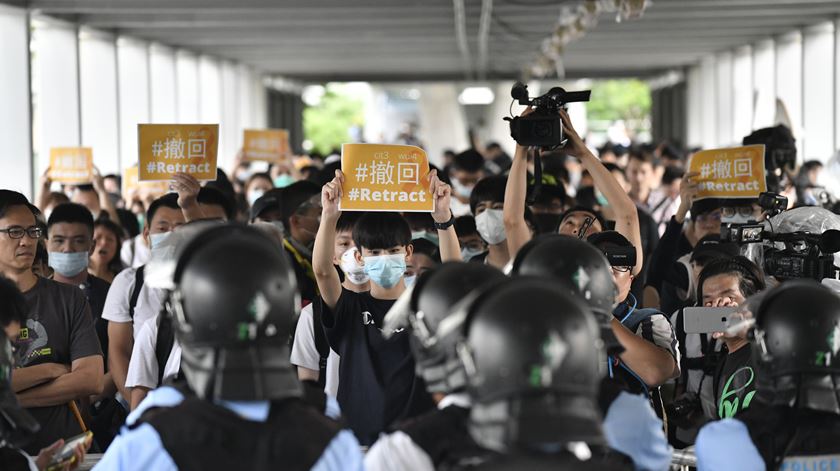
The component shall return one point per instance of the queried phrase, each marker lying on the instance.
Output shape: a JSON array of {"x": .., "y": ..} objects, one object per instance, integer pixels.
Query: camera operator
[
  {"x": 794, "y": 421},
  {"x": 627, "y": 223}
]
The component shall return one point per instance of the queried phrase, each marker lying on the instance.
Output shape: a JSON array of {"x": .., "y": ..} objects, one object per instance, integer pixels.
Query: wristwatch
[{"x": 442, "y": 226}]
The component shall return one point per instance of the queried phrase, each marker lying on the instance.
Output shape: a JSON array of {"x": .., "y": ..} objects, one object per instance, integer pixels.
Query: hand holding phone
[
  {"x": 707, "y": 320},
  {"x": 67, "y": 455}
]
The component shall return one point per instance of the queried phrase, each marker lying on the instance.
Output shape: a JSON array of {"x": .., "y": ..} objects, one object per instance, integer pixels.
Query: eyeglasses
[
  {"x": 17, "y": 232},
  {"x": 620, "y": 269}
]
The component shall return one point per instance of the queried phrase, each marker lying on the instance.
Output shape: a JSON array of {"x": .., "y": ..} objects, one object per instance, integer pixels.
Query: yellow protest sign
[
  {"x": 385, "y": 178},
  {"x": 736, "y": 172},
  {"x": 71, "y": 165},
  {"x": 131, "y": 184},
  {"x": 270, "y": 145},
  {"x": 166, "y": 149}
]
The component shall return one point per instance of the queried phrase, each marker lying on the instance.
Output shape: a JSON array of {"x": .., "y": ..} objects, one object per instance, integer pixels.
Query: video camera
[
  {"x": 543, "y": 127},
  {"x": 804, "y": 254}
]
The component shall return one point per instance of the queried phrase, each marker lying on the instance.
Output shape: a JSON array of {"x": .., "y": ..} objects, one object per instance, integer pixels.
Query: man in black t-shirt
[
  {"x": 728, "y": 282},
  {"x": 377, "y": 385},
  {"x": 58, "y": 356}
]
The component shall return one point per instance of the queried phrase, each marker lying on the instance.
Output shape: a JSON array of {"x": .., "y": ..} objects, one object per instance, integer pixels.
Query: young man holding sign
[{"x": 377, "y": 384}]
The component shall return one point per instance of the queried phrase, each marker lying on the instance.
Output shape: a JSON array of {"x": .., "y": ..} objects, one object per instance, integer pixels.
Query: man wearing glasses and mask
[{"x": 57, "y": 352}]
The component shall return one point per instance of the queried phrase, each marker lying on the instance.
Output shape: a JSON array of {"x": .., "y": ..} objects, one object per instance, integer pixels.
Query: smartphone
[
  {"x": 66, "y": 454},
  {"x": 705, "y": 320}
]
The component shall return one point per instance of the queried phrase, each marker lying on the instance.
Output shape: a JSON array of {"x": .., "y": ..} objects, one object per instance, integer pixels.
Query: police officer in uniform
[
  {"x": 531, "y": 355},
  {"x": 438, "y": 439},
  {"x": 233, "y": 310},
  {"x": 581, "y": 270},
  {"x": 793, "y": 422}
]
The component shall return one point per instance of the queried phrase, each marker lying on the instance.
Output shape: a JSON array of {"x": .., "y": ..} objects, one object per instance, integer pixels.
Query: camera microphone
[{"x": 829, "y": 241}]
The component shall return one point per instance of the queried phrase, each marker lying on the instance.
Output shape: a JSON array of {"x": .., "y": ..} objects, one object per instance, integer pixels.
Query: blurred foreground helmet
[
  {"x": 17, "y": 426},
  {"x": 436, "y": 320},
  {"x": 580, "y": 266},
  {"x": 531, "y": 355},
  {"x": 796, "y": 347},
  {"x": 233, "y": 311}
]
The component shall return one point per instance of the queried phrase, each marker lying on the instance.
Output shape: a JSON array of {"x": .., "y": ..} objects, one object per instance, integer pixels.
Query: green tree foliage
[
  {"x": 327, "y": 123},
  {"x": 612, "y": 100}
]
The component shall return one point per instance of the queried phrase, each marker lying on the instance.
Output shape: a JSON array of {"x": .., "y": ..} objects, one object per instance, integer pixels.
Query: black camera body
[
  {"x": 750, "y": 231},
  {"x": 805, "y": 255},
  {"x": 543, "y": 127}
]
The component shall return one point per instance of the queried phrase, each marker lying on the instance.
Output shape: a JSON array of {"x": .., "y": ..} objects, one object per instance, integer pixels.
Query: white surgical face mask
[
  {"x": 467, "y": 253},
  {"x": 491, "y": 226},
  {"x": 351, "y": 268}
]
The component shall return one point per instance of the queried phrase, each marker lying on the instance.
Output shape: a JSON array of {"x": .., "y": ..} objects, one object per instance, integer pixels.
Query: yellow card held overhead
[
  {"x": 71, "y": 165},
  {"x": 270, "y": 145},
  {"x": 166, "y": 149},
  {"x": 131, "y": 183},
  {"x": 385, "y": 178},
  {"x": 736, "y": 172}
]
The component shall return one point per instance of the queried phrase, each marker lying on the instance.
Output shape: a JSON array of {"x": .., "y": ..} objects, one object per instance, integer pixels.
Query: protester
[
  {"x": 57, "y": 354},
  {"x": 793, "y": 420},
  {"x": 466, "y": 171},
  {"x": 311, "y": 352},
  {"x": 256, "y": 186},
  {"x": 300, "y": 209},
  {"x": 468, "y": 238},
  {"x": 377, "y": 385},
  {"x": 486, "y": 202},
  {"x": 105, "y": 260}
]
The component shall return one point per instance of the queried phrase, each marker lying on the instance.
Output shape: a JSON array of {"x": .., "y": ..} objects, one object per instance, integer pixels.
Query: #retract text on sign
[{"x": 385, "y": 178}]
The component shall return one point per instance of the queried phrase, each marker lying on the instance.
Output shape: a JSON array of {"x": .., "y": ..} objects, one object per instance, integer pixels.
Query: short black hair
[
  {"x": 750, "y": 278},
  {"x": 465, "y": 225},
  {"x": 295, "y": 195},
  {"x": 87, "y": 188},
  {"x": 381, "y": 230},
  {"x": 488, "y": 189},
  {"x": 128, "y": 221},
  {"x": 215, "y": 197},
  {"x": 9, "y": 198},
  {"x": 427, "y": 248},
  {"x": 169, "y": 200},
  {"x": 420, "y": 221},
  {"x": 672, "y": 174},
  {"x": 13, "y": 307},
  {"x": 115, "y": 177},
  {"x": 71, "y": 213},
  {"x": 671, "y": 152},
  {"x": 611, "y": 167},
  {"x": 469, "y": 161},
  {"x": 347, "y": 221},
  {"x": 643, "y": 155},
  {"x": 584, "y": 209}
]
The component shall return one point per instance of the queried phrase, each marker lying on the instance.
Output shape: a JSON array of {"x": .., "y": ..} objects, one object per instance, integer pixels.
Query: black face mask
[{"x": 547, "y": 223}]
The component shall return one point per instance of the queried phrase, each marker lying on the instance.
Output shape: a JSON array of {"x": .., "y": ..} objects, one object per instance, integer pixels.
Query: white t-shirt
[
  {"x": 305, "y": 353},
  {"x": 134, "y": 252},
  {"x": 143, "y": 367},
  {"x": 149, "y": 301}
]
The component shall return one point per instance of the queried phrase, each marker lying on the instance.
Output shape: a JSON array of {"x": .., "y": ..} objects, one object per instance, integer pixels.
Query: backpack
[
  {"x": 321, "y": 343},
  {"x": 139, "y": 276},
  {"x": 165, "y": 339}
]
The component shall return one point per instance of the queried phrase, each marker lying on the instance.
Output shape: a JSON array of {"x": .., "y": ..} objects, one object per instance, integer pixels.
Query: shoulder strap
[
  {"x": 163, "y": 345},
  {"x": 321, "y": 342},
  {"x": 638, "y": 316},
  {"x": 135, "y": 292}
]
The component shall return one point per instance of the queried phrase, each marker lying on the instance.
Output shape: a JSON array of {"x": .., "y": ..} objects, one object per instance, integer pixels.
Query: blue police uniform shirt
[
  {"x": 142, "y": 449},
  {"x": 631, "y": 427},
  {"x": 726, "y": 444}
]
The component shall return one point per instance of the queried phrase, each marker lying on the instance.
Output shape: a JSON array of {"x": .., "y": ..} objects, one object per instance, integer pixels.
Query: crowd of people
[{"x": 534, "y": 319}]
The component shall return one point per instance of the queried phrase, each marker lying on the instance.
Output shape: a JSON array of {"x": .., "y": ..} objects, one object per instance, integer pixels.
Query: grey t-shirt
[{"x": 59, "y": 329}]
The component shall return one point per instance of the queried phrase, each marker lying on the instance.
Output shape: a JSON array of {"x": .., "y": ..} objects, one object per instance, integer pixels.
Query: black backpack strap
[
  {"x": 163, "y": 345},
  {"x": 135, "y": 292},
  {"x": 321, "y": 342}
]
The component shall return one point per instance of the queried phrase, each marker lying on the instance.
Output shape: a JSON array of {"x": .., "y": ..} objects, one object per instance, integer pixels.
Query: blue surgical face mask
[
  {"x": 69, "y": 264},
  {"x": 385, "y": 270},
  {"x": 283, "y": 181},
  {"x": 467, "y": 253},
  {"x": 157, "y": 239},
  {"x": 409, "y": 280},
  {"x": 433, "y": 238}
]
